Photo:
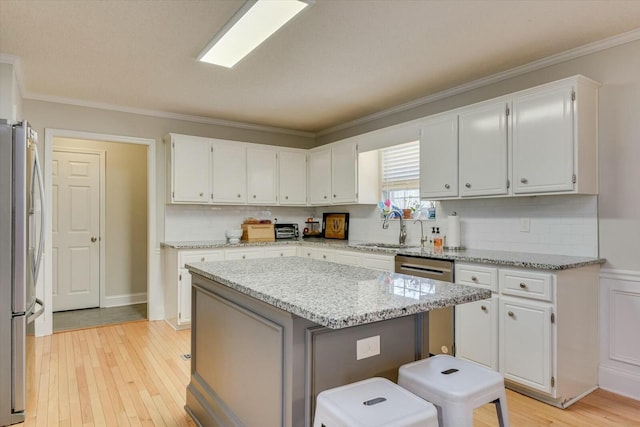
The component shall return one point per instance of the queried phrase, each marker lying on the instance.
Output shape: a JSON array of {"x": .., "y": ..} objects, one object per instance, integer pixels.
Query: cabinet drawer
[
  {"x": 200, "y": 256},
  {"x": 277, "y": 252},
  {"x": 527, "y": 284},
  {"x": 474, "y": 275}
]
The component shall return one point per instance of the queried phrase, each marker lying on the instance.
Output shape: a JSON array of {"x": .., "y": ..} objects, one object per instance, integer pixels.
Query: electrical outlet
[
  {"x": 367, "y": 347},
  {"x": 525, "y": 225}
]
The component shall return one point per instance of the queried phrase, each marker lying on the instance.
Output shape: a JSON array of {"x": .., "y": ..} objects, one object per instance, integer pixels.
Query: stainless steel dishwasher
[{"x": 440, "y": 320}]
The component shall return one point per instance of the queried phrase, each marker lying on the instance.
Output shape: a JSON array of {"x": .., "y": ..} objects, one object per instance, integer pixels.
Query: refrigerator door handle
[
  {"x": 36, "y": 313},
  {"x": 37, "y": 261}
]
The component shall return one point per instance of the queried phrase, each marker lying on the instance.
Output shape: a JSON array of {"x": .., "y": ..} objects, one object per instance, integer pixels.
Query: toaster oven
[{"x": 286, "y": 231}]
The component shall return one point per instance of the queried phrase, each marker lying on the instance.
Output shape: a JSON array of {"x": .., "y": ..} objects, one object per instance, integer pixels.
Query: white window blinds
[{"x": 401, "y": 166}]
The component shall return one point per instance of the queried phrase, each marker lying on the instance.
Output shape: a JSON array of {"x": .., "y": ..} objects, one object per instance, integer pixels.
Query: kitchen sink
[{"x": 386, "y": 245}]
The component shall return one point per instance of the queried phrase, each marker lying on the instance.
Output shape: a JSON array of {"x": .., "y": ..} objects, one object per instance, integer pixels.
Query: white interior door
[{"x": 76, "y": 230}]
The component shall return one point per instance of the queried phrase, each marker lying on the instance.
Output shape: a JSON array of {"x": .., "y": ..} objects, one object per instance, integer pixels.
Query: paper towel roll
[{"x": 453, "y": 234}]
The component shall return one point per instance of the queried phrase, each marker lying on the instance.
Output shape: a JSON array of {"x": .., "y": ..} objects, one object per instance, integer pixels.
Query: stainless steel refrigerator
[{"x": 21, "y": 246}]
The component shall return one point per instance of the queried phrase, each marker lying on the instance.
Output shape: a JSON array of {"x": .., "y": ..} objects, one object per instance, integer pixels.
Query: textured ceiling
[{"x": 336, "y": 62}]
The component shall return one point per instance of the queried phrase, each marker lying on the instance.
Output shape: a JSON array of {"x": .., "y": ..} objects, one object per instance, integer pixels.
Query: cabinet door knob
[
  {"x": 324, "y": 257},
  {"x": 239, "y": 195},
  {"x": 308, "y": 253},
  {"x": 281, "y": 254},
  {"x": 334, "y": 195},
  {"x": 510, "y": 314},
  {"x": 474, "y": 279},
  {"x": 467, "y": 185},
  {"x": 325, "y": 197},
  {"x": 286, "y": 197},
  {"x": 244, "y": 257},
  {"x": 202, "y": 259},
  {"x": 483, "y": 307},
  {"x": 94, "y": 239},
  {"x": 254, "y": 196},
  {"x": 523, "y": 180},
  {"x": 201, "y": 194},
  {"x": 447, "y": 186},
  {"x": 523, "y": 285}
]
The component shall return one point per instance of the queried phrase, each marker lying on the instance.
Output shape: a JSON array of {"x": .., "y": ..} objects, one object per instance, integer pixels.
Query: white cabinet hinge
[
  {"x": 508, "y": 112},
  {"x": 179, "y": 316},
  {"x": 173, "y": 194},
  {"x": 573, "y": 95},
  {"x": 180, "y": 277},
  {"x": 553, "y": 318},
  {"x": 553, "y": 382},
  {"x": 508, "y": 184},
  {"x": 574, "y": 178}
]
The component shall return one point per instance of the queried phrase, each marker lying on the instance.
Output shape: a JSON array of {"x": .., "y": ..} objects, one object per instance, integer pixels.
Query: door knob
[{"x": 94, "y": 239}]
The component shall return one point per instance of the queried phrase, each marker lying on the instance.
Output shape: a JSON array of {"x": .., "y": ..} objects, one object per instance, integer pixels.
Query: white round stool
[
  {"x": 456, "y": 387},
  {"x": 374, "y": 402}
]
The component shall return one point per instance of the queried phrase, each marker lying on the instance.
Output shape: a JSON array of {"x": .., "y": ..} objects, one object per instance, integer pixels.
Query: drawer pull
[
  {"x": 244, "y": 257},
  {"x": 523, "y": 285},
  {"x": 201, "y": 194},
  {"x": 510, "y": 314},
  {"x": 202, "y": 259},
  {"x": 483, "y": 307},
  {"x": 281, "y": 254},
  {"x": 468, "y": 185},
  {"x": 447, "y": 186},
  {"x": 474, "y": 279}
]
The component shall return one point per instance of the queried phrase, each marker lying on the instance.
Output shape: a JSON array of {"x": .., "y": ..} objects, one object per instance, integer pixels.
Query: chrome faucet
[
  {"x": 402, "y": 238},
  {"x": 422, "y": 238}
]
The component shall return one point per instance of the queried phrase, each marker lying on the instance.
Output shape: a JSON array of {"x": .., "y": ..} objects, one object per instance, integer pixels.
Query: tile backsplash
[{"x": 563, "y": 225}]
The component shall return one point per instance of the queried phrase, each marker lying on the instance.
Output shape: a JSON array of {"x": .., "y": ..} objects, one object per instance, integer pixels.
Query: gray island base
[{"x": 268, "y": 335}]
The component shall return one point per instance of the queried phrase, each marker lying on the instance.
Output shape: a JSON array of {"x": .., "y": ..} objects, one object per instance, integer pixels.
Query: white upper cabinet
[
  {"x": 344, "y": 173},
  {"x": 320, "y": 177},
  {"x": 188, "y": 169},
  {"x": 550, "y": 139},
  {"x": 292, "y": 177},
  {"x": 229, "y": 172},
  {"x": 439, "y": 157},
  {"x": 262, "y": 168},
  {"x": 483, "y": 149},
  {"x": 338, "y": 174}
]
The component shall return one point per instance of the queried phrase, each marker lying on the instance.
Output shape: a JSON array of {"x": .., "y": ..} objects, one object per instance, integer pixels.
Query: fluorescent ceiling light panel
[{"x": 255, "y": 22}]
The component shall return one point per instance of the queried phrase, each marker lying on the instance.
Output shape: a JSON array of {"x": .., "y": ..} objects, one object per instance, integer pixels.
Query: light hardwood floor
[{"x": 132, "y": 374}]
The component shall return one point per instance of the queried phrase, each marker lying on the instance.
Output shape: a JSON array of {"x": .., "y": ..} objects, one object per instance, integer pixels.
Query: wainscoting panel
[{"x": 619, "y": 336}]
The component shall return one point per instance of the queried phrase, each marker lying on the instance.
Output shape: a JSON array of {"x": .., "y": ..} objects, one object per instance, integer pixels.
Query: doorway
[{"x": 127, "y": 236}]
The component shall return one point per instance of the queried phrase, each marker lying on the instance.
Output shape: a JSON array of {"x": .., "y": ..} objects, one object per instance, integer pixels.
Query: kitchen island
[{"x": 268, "y": 335}]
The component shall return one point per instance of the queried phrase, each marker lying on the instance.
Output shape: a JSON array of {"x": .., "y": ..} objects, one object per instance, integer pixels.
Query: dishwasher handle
[{"x": 422, "y": 269}]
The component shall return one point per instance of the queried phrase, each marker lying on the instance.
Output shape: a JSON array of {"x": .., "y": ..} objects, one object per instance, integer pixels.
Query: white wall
[{"x": 10, "y": 96}]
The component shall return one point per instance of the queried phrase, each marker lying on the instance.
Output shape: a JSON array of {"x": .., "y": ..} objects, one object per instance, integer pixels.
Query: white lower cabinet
[
  {"x": 525, "y": 345},
  {"x": 378, "y": 262},
  {"x": 477, "y": 332},
  {"x": 539, "y": 329}
]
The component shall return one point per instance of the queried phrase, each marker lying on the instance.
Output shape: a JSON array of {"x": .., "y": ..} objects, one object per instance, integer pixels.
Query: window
[{"x": 401, "y": 176}]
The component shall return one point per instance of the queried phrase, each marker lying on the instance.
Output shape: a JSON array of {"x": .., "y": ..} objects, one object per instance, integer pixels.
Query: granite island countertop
[
  {"x": 505, "y": 258},
  {"x": 335, "y": 295}
]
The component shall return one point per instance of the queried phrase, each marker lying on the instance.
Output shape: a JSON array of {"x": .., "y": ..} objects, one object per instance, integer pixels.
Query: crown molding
[
  {"x": 167, "y": 115},
  {"x": 590, "y": 48},
  {"x": 587, "y": 49}
]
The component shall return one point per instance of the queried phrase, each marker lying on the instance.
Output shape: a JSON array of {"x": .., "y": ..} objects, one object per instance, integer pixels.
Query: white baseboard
[
  {"x": 126, "y": 299},
  {"x": 620, "y": 381}
]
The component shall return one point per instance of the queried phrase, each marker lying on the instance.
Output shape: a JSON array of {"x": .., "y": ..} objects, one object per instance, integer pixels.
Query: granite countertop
[
  {"x": 335, "y": 295},
  {"x": 504, "y": 258}
]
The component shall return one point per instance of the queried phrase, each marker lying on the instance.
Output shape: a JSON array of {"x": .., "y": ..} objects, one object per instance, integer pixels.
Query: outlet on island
[{"x": 367, "y": 347}]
